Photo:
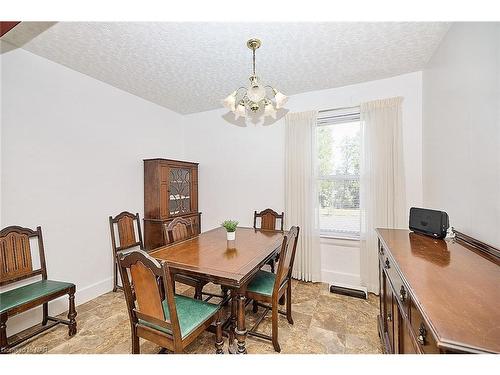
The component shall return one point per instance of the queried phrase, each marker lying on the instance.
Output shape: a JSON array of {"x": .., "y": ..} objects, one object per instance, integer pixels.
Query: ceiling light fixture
[{"x": 245, "y": 101}]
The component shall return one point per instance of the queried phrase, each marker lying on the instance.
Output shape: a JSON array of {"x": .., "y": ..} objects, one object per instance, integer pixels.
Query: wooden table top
[
  {"x": 210, "y": 254},
  {"x": 457, "y": 289}
]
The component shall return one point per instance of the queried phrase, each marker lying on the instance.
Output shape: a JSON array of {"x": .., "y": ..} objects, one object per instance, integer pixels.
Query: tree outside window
[{"x": 338, "y": 183}]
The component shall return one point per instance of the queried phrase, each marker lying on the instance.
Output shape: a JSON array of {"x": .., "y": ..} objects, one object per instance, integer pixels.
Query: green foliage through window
[{"x": 338, "y": 184}]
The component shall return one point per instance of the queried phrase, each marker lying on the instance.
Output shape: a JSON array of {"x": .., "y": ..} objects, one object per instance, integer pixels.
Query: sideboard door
[
  {"x": 407, "y": 342},
  {"x": 389, "y": 318}
]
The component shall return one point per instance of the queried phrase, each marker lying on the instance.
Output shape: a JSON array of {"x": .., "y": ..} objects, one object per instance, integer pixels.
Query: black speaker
[{"x": 429, "y": 222}]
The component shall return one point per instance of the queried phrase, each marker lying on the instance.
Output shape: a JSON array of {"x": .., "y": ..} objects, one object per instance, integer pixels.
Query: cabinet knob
[
  {"x": 402, "y": 293},
  {"x": 389, "y": 317},
  {"x": 422, "y": 333},
  {"x": 387, "y": 264}
]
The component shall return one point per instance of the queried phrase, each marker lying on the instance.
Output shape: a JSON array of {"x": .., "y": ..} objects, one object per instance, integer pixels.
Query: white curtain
[
  {"x": 382, "y": 180},
  {"x": 301, "y": 199}
]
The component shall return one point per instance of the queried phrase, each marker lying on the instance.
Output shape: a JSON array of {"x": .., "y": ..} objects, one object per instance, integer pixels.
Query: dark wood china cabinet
[{"x": 170, "y": 191}]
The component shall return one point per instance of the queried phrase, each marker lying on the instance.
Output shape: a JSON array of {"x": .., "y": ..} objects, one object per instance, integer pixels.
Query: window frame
[{"x": 330, "y": 118}]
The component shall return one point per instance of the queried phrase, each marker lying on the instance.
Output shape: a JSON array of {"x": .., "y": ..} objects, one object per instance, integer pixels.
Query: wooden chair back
[
  {"x": 287, "y": 257},
  {"x": 146, "y": 283},
  {"x": 178, "y": 229},
  {"x": 15, "y": 254},
  {"x": 126, "y": 222},
  {"x": 268, "y": 219}
]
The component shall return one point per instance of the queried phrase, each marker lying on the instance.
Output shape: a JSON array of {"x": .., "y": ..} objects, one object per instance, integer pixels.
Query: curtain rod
[{"x": 337, "y": 109}]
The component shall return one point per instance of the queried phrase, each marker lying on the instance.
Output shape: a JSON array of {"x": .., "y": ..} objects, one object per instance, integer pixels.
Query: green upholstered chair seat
[
  {"x": 190, "y": 312},
  {"x": 262, "y": 283},
  {"x": 24, "y": 294}
]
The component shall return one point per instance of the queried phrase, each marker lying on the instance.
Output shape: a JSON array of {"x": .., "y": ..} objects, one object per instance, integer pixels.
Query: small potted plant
[{"x": 230, "y": 226}]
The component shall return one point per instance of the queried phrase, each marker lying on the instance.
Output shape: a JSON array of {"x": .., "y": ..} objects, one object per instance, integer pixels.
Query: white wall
[
  {"x": 242, "y": 168},
  {"x": 461, "y": 129},
  {"x": 71, "y": 155}
]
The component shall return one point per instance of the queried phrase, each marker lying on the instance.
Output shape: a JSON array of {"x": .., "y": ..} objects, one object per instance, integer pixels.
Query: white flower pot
[{"x": 231, "y": 236}]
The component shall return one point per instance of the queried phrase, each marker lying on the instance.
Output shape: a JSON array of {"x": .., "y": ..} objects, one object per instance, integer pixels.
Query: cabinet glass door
[{"x": 179, "y": 191}]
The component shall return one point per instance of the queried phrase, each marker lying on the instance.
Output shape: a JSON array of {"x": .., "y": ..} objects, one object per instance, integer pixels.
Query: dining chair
[
  {"x": 156, "y": 313},
  {"x": 266, "y": 288},
  {"x": 125, "y": 224},
  {"x": 268, "y": 221},
  {"x": 181, "y": 229},
  {"x": 20, "y": 262}
]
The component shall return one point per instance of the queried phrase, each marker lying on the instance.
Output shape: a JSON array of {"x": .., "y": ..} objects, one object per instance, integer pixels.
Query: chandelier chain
[{"x": 253, "y": 50}]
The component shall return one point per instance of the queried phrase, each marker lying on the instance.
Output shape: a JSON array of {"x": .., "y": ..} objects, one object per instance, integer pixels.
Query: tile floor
[{"x": 323, "y": 323}]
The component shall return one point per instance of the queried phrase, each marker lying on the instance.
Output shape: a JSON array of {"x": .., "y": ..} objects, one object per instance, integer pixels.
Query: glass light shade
[
  {"x": 230, "y": 101},
  {"x": 281, "y": 99},
  {"x": 269, "y": 110},
  {"x": 256, "y": 92},
  {"x": 240, "y": 111}
]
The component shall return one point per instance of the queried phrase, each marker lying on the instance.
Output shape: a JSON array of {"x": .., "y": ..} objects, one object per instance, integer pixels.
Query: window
[{"x": 339, "y": 143}]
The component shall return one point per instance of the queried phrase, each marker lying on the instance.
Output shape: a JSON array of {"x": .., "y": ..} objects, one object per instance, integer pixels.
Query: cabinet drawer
[
  {"x": 423, "y": 335},
  {"x": 400, "y": 291}
]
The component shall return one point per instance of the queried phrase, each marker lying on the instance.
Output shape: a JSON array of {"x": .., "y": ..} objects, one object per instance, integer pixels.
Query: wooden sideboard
[
  {"x": 170, "y": 191},
  {"x": 437, "y": 296}
]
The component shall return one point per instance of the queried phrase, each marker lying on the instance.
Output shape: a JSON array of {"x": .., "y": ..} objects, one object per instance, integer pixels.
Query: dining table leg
[
  {"x": 241, "y": 332},
  {"x": 232, "y": 322}
]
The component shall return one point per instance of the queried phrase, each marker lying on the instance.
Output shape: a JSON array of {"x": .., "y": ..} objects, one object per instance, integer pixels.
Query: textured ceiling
[{"x": 190, "y": 67}]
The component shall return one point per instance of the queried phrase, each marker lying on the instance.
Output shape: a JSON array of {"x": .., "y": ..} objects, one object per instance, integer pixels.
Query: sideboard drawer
[
  {"x": 423, "y": 335},
  {"x": 400, "y": 291}
]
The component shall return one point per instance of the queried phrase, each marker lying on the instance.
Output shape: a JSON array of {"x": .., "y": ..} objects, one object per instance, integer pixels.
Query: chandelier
[{"x": 245, "y": 101}]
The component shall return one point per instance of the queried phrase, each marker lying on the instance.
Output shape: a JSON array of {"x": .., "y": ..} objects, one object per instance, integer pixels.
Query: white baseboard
[
  {"x": 31, "y": 317},
  {"x": 92, "y": 291}
]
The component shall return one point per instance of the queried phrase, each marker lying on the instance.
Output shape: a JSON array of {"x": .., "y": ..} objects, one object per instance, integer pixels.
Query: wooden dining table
[{"x": 231, "y": 264}]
